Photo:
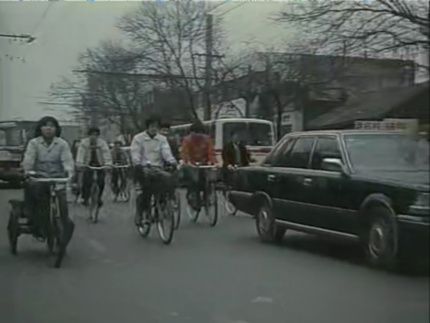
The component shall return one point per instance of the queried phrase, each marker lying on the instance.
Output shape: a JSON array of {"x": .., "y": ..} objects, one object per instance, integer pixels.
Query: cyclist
[
  {"x": 197, "y": 147},
  {"x": 234, "y": 154},
  {"x": 119, "y": 158},
  {"x": 93, "y": 151},
  {"x": 150, "y": 146},
  {"x": 49, "y": 156},
  {"x": 174, "y": 147},
  {"x": 75, "y": 181}
]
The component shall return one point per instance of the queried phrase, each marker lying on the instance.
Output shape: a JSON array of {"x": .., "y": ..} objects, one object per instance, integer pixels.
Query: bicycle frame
[
  {"x": 121, "y": 177},
  {"x": 207, "y": 181},
  {"x": 94, "y": 186},
  {"x": 53, "y": 201}
]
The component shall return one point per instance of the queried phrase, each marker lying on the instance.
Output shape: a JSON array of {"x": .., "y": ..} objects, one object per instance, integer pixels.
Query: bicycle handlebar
[
  {"x": 98, "y": 168},
  {"x": 203, "y": 166},
  {"x": 121, "y": 166},
  {"x": 51, "y": 180}
]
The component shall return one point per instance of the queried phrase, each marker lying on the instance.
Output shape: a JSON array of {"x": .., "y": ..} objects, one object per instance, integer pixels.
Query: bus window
[
  {"x": 260, "y": 134},
  {"x": 250, "y": 133},
  {"x": 239, "y": 128}
]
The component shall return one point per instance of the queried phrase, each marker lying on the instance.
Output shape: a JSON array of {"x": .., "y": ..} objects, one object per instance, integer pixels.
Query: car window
[
  {"x": 270, "y": 160},
  {"x": 325, "y": 148},
  {"x": 283, "y": 153},
  {"x": 299, "y": 155}
]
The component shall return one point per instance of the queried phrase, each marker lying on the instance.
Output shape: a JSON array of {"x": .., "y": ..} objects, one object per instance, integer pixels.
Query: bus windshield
[{"x": 250, "y": 133}]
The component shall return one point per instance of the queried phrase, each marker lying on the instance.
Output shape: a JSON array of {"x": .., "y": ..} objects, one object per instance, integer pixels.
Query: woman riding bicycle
[
  {"x": 48, "y": 156},
  {"x": 93, "y": 151},
  {"x": 197, "y": 148}
]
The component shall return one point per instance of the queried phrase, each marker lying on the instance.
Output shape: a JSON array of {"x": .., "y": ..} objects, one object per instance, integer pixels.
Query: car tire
[
  {"x": 381, "y": 238},
  {"x": 268, "y": 230}
]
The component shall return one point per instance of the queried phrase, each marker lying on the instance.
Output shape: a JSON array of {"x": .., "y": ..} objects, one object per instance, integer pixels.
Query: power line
[
  {"x": 226, "y": 12},
  {"x": 42, "y": 17}
]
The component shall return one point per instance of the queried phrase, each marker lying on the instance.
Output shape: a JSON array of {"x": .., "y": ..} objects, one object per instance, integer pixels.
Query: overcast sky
[{"x": 64, "y": 29}]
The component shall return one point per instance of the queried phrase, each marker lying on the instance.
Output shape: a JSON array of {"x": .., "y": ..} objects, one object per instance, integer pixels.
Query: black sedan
[{"x": 368, "y": 186}]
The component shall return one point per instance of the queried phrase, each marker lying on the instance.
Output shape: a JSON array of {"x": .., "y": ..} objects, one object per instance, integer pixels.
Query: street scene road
[{"x": 207, "y": 275}]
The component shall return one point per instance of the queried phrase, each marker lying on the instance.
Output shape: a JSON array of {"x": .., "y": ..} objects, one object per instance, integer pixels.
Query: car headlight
[{"x": 421, "y": 203}]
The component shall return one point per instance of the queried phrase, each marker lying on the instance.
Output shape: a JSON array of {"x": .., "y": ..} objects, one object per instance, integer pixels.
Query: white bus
[{"x": 258, "y": 135}]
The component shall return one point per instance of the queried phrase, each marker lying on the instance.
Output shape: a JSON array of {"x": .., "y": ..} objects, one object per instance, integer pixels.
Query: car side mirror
[{"x": 334, "y": 165}]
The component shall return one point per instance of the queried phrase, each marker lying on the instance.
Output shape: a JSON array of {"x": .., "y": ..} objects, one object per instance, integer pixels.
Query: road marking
[{"x": 262, "y": 299}]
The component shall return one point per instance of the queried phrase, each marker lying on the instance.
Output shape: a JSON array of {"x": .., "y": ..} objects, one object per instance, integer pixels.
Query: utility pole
[
  {"x": 209, "y": 56},
  {"x": 92, "y": 101}
]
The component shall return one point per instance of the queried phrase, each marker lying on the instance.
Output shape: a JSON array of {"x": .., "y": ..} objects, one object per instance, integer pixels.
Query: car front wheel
[
  {"x": 268, "y": 230},
  {"x": 381, "y": 240}
]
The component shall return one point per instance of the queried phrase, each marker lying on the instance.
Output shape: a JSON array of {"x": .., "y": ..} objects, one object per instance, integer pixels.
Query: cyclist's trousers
[
  {"x": 37, "y": 199},
  {"x": 149, "y": 182},
  {"x": 119, "y": 180},
  {"x": 88, "y": 180}
]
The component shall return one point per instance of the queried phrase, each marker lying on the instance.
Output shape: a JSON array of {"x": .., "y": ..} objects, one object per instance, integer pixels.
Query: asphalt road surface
[{"x": 207, "y": 275}]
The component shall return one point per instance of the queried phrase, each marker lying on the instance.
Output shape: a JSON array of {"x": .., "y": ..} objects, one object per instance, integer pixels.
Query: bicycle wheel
[
  {"x": 125, "y": 191},
  {"x": 230, "y": 208},
  {"x": 193, "y": 210},
  {"x": 166, "y": 220},
  {"x": 55, "y": 234},
  {"x": 60, "y": 248},
  {"x": 177, "y": 208},
  {"x": 13, "y": 231},
  {"x": 145, "y": 226},
  {"x": 211, "y": 204},
  {"x": 115, "y": 192},
  {"x": 94, "y": 204}
]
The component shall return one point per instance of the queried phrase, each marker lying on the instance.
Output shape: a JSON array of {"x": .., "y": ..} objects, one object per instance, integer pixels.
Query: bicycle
[
  {"x": 209, "y": 199},
  {"x": 123, "y": 189},
  {"x": 160, "y": 210},
  {"x": 226, "y": 189},
  {"x": 94, "y": 202},
  {"x": 54, "y": 234}
]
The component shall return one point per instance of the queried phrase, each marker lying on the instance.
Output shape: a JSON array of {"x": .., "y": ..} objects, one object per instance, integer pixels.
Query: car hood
[{"x": 417, "y": 179}]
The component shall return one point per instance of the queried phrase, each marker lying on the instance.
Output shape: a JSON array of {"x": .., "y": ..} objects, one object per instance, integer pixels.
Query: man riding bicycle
[
  {"x": 197, "y": 148},
  {"x": 48, "y": 156},
  {"x": 150, "y": 148},
  {"x": 93, "y": 151},
  {"x": 119, "y": 158}
]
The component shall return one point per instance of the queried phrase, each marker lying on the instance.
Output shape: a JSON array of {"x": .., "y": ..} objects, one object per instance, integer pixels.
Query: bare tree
[
  {"x": 169, "y": 40},
  {"x": 283, "y": 78},
  {"x": 113, "y": 96},
  {"x": 377, "y": 27}
]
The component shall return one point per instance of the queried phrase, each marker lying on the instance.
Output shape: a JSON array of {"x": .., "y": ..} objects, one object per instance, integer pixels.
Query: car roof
[{"x": 344, "y": 132}]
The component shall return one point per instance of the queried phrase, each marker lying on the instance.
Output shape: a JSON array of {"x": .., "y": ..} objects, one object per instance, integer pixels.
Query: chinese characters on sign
[{"x": 388, "y": 124}]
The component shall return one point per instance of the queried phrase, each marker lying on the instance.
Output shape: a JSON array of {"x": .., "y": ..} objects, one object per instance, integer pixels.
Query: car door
[
  {"x": 329, "y": 188},
  {"x": 292, "y": 196},
  {"x": 262, "y": 178},
  {"x": 276, "y": 176}
]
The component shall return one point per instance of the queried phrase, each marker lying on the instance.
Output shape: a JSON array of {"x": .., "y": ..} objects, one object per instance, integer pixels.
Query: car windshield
[
  {"x": 250, "y": 133},
  {"x": 387, "y": 152}
]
